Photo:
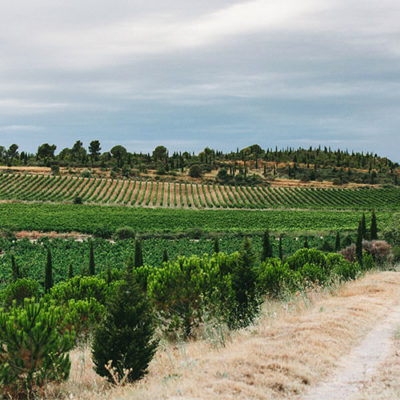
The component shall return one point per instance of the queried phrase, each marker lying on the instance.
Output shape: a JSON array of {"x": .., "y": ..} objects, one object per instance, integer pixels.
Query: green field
[
  {"x": 90, "y": 219},
  {"x": 46, "y": 188}
]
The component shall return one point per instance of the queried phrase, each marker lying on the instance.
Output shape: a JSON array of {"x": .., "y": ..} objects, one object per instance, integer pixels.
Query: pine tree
[
  {"x": 165, "y": 255},
  {"x": 48, "y": 280},
  {"x": 306, "y": 245},
  {"x": 280, "y": 248},
  {"x": 91, "y": 260},
  {"x": 359, "y": 243},
  {"x": 374, "y": 227},
  {"x": 16, "y": 274},
  {"x": 267, "y": 248},
  {"x": 138, "y": 253},
  {"x": 363, "y": 227},
  {"x": 125, "y": 337},
  {"x": 337, "y": 242},
  {"x": 216, "y": 245},
  {"x": 70, "y": 271}
]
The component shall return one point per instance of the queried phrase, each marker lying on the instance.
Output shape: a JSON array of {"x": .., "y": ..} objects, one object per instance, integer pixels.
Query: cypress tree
[
  {"x": 138, "y": 253},
  {"x": 337, "y": 243},
  {"x": 14, "y": 269},
  {"x": 374, "y": 227},
  {"x": 48, "y": 280},
  {"x": 363, "y": 227},
  {"x": 70, "y": 271},
  {"x": 91, "y": 260},
  {"x": 267, "y": 248},
  {"x": 280, "y": 248},
  {"x": 306, "y": 245},
  {"x": 165, "y": 255},
  {"x": 359, "y": 243},
  {"x": 216, "y": 245}
]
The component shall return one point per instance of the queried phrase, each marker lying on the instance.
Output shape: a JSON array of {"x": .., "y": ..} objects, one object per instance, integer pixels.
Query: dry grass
[{"x": 293, "y": 345}]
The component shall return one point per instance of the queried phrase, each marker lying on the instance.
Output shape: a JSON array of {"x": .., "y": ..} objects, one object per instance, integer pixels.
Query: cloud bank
[{"x": 190, "y": 74}]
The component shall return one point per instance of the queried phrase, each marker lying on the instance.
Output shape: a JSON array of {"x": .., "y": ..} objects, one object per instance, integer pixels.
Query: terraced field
[{"x": 187, "y": 195}]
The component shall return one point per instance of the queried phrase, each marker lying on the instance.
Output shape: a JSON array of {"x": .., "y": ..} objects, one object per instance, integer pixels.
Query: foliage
[
  {"x": 80, "y": 288},
  {"x": 125, "y": 232},
  {"x": 34, "y": 347},
  {"x": 125, "y": 336},
  {"x": 19, "y": 290}
]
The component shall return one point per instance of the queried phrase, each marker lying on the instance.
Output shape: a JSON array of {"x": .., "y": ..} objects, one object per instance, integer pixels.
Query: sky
[{"x": 189, "y": 74}]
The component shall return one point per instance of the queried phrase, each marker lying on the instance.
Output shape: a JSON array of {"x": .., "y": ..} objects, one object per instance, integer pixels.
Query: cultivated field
[
  {"x": 190, "y": 195},
  {"x": 104, "y": 220}
]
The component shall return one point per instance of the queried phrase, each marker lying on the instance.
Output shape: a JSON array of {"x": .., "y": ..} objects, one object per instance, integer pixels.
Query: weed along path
[{"x": 356, "y": 369}]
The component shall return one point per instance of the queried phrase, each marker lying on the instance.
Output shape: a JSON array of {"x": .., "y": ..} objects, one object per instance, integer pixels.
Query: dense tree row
[{"x": 234, "y": 167}]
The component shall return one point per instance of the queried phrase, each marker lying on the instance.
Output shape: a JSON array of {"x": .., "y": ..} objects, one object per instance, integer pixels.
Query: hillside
[{"x": 154, "y": 193}]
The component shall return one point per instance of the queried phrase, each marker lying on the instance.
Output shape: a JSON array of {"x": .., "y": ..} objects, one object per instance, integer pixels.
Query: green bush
[
  {"x": 274, "y": 277},
  {"x": 181, "y": 290},
  {"x": 19, "y": 290},
  {"x": 80, "y": 288},
  {"x": 304, "y": 256},
  {"x": 125, "y": 232},
  {"x": 125, "y": 336},
  {"x": 83, "y": 315},
  {"x": 34, "y": 346}
]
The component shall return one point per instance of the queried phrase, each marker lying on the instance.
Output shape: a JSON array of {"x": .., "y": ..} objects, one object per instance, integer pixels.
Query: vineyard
[
  {"x": 47, "y": 188},
  {"x": 103, "y": 221},
  {"x": 31, "y": 256}
]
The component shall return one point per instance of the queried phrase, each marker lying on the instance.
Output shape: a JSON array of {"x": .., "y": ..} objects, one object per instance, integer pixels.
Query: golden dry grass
[{"x": 293, "y": 345}]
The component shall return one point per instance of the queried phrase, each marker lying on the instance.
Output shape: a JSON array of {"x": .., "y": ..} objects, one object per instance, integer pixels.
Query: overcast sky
[{"x": 189, "y": 74}]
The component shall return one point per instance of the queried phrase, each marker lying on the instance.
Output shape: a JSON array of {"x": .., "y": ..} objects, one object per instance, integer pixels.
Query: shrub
[
  {"x": 346, "y": 271},
  {"x": 20, "y": 290},
  {"x": 202, "y": 282},
  {"x": 33, "y": 348},
  {"x": 273, "y": 277},
  {"x": 125, "y": 232},
  {"x": 80, "y": 288},
  {"x": 83, "y": 315},
  {"x": 195, "y": 171},
  {"x": 103, "y": 232},
  {"x": 304, "y": 256},
  {"x": 78, "y": 200},
  {"x": 125, "y": 336},
  {"x": 349, "y": 253},
  {"x": 396, "y": 254},
  {"x": 86, "y": 173}
]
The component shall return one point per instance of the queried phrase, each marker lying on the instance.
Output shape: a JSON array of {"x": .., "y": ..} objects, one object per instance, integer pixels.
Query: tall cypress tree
[
  {"x": 363, "y": 227},
  {"x": 138, "y": 253},
  {"x": 280, "y": 248},
  {"x": 70, "y": 271},
  {"x": 359, "y": 243},
  {"x": 91, "y": 260},
  {"x": 14, "y": 269},
  {"x": 374, "y": 227},
  {"x": 306, "y": 245},
  {"x": 267, "y": 248},
  {"x": 216, "y": 245},
  {"x": 165, "y": 255},
  {"x": 337, "y": 242},
  {"x": 48, "y": 280}
]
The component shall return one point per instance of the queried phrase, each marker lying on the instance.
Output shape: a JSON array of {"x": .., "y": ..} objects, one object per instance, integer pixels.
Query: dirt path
[{"x": 362, "y": 363}]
